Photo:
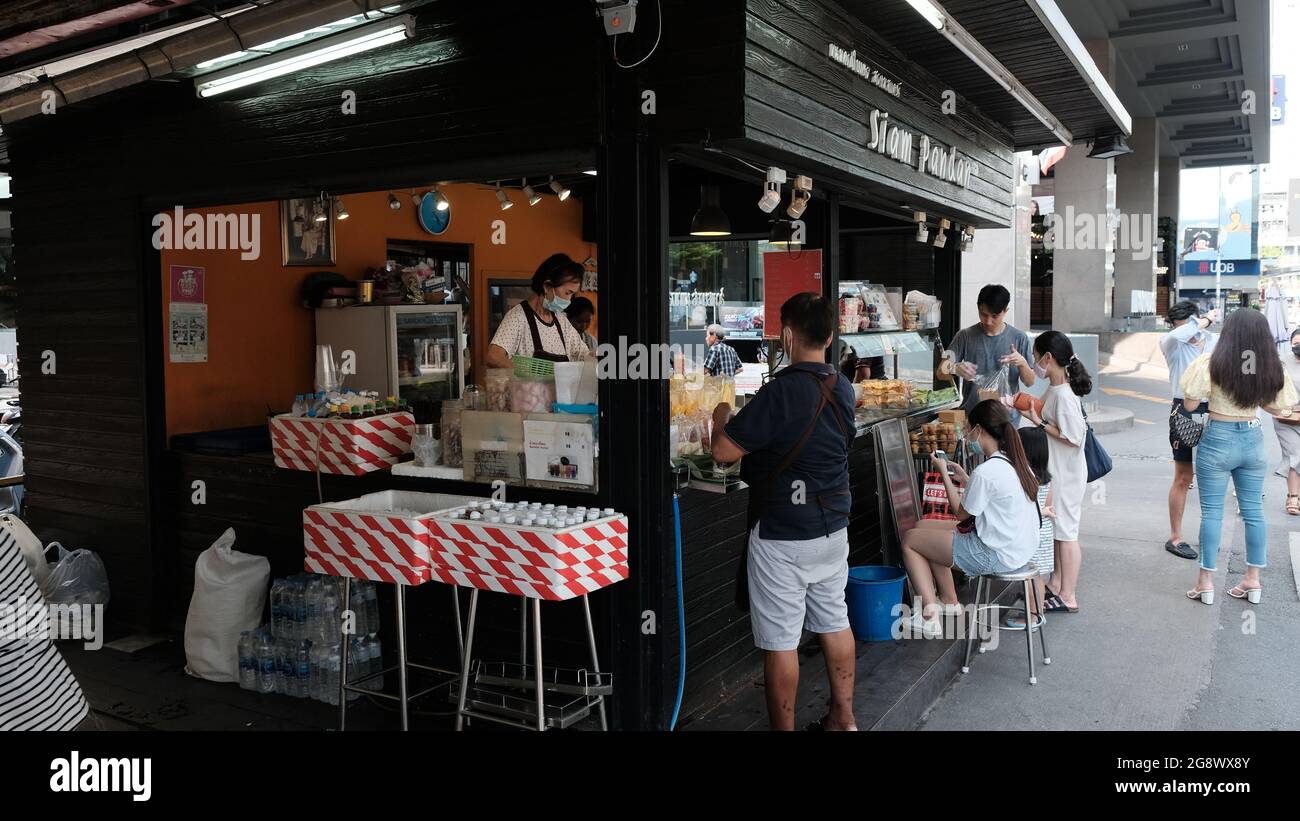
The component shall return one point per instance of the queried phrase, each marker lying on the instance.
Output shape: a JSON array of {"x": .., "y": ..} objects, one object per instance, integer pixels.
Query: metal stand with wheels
[
  {"x": 574, "y": 693},
  {"x": 403, "y": 698}
]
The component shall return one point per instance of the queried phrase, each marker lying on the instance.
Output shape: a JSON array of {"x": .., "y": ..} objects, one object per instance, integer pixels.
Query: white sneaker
[{"x": 929, "y": 628}]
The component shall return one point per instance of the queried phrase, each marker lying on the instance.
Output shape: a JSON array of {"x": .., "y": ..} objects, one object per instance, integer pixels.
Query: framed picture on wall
[{"x": 304, "y": 238}]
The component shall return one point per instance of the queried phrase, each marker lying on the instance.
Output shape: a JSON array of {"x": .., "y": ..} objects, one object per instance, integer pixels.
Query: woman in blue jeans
[{"x": 1243, "y": 374}]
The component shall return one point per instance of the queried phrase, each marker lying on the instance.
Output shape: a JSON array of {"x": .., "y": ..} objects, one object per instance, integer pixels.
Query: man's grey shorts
[{"x": 797, "y": 584}]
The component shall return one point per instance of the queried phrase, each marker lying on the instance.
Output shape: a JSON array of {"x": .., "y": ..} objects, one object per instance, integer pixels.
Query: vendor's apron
[
  {"x": 836, "y": 501},
  {"x": 538, "y": 351}
]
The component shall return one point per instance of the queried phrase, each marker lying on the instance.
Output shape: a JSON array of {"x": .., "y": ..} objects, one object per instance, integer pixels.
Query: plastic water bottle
[
  {"x": 299, "y": 406},
  {"x": 302, "y": 678},
  {"x": 354, "y": 665},
  {"x": 299, "y": 611},
  {"x": 266, "y": 661},
  {"x": 329, "y": 620},
  {"x": 247, "y": 661},
  {"x": 372, "y": 607},
  {"x": 321, "y": 404},
  {"x": 331, "y": 682},
  {"x": 284, "y": 667},
  {"x": 277, "y": 605},
  {"x": 377, "y": 658}
]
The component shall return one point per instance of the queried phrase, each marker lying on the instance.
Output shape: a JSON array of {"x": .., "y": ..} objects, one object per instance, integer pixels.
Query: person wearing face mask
[
  {"x": 1066, "y": 428},
  {"x": 1286, "y": 422},
  {"x": 987, "y": 346},
  {"x": 538, "y": 326},
  {"x": 795, "y": 436},
  {"x": 1189, "y": 338}
]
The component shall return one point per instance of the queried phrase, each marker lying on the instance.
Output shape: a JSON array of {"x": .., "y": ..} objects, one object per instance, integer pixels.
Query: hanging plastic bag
[
  {"x": 229, "y": 592},
  {"x": 78, "y": 577},
  {"x": 994, "y": 385}
]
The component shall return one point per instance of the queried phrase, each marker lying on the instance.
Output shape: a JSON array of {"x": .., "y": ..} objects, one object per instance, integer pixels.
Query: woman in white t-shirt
[
  {"x": 1001, "y": 500},
  {"x": 538, "y": 326}
]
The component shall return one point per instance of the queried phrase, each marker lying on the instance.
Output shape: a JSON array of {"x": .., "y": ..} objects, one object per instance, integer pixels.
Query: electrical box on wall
[{"x": 619, "y": 16}]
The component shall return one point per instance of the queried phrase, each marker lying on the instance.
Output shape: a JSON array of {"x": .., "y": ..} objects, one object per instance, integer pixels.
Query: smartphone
[{"x": 940, "y": 454}]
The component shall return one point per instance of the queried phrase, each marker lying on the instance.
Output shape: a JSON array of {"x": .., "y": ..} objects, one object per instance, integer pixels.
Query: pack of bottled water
[{"x": 299, "y": 653}]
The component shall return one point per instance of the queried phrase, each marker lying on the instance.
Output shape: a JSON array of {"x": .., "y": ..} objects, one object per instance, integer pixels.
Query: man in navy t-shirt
[{"x": 795, "y": 436}]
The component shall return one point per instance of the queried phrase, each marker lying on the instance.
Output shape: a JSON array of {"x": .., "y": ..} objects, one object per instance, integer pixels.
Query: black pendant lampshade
[{"x": 710, "y": 220}]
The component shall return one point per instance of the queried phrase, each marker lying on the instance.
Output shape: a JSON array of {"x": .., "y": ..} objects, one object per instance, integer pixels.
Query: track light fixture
[
  {"x": 800, "y": 195},
  {"x": 503, "y": 198},
  {"x": 771, "y": 190},
  {"x": 559, "y": 189},
  {"x": 340, "y": 210},
  {"x": 393, "y": 202},
  {"x": 941, "y": 235},
  {"x": 922, "y": 234},
  {"x": 532, "y": 196},
  {"x": 322, "y": 208},
  {"x": 416, "y": 196},
  {"x": 967, "y": 237},
  {"x": 440, "y": 200}
]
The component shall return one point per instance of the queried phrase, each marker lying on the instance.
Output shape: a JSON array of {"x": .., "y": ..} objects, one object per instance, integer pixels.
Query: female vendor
[{"x": 537, "y": 327}]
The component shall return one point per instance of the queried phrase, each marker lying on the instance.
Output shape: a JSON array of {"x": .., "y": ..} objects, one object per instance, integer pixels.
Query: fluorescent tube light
[
  {"x": 335, "y": 47},
  {"x": 933, "y": 14},
  {"x": 980, "y": 56}
]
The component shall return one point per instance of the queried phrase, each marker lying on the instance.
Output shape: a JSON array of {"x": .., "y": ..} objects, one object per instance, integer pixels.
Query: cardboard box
[{"x": 956, "y": 417}]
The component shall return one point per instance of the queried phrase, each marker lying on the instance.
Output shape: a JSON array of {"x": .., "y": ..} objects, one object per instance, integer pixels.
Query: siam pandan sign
[{"x": 896, "y": 142}]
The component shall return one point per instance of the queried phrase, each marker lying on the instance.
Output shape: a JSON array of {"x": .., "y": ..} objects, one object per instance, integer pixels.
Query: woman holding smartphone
[{"x": 999, "y": 519}]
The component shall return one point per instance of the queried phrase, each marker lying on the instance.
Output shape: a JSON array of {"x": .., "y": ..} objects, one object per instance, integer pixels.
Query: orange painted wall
[{"x": 260, "y": 338}]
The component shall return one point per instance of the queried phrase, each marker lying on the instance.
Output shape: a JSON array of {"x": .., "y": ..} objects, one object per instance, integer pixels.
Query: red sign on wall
[
  {"x": 187, "y": 283},
  {"x": 786, "y": 273}
]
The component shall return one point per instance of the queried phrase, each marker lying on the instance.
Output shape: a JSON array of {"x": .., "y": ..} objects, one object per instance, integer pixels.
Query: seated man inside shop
[
  {"x": 580, "y": 313},
  {"x": 722, "y": 359},
  {"x": 795, "y": 436},
  {"x": 985, "y": 347},
  {"x": 537, "y": 326}
]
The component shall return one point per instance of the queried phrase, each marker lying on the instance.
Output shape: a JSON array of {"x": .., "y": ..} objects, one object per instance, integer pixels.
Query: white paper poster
[
  {"x": 188, "y": 340},
  {"x": 559, "y": 452}
]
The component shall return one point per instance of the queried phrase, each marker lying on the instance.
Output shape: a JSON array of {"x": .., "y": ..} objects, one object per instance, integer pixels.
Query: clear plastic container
[
  {"x": 452, "y": 455},
  {"x": 498, "y": 388}
]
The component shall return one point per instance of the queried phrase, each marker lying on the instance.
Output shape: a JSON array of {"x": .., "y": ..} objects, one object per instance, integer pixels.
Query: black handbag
[
  {"x": 1185, "y": 427},
  {"x": 1098, "y": 459}
]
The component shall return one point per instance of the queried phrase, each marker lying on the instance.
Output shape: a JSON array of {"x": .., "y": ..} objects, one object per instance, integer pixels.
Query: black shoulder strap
[{"x": 537, "y": 337}]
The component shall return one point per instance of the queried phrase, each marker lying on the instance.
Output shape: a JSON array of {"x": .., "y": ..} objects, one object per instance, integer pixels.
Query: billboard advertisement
[{"x": 1217, "y": 218}]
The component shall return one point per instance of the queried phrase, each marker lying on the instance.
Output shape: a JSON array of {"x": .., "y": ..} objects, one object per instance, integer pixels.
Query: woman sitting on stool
[{"x": 1001, "y": 501}]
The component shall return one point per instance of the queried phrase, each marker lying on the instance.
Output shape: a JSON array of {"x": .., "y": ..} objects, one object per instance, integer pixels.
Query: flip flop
[{"x": 1054, "y": 604}]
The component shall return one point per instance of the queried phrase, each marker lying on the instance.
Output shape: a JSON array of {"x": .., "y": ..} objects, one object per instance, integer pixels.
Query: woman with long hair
[
  {"x": 1243, "y": 374},
  {"x": 1062, "y": 420},
  {"x": 1001, "y": 501}
]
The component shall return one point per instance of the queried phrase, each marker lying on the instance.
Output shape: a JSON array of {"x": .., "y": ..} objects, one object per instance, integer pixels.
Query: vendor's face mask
[
  {"x": 556, "y": 304},
  {"x": 1295, "y": 349}
]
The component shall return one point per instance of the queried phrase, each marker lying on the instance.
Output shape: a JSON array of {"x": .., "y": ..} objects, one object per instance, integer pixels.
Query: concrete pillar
[
  {"x": 1000, "y": 256},
  {"x": 1167, "y": 196},
  {"x": 1136, "y": 187},
  {"x": 1083, "y": 257}
]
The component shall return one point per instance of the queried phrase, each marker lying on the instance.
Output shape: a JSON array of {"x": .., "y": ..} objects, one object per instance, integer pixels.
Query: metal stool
[{"x": 984, "y": 602}]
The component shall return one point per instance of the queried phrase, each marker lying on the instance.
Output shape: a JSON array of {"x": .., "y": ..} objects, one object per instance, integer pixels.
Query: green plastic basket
[{"x": 528, "y": 367}]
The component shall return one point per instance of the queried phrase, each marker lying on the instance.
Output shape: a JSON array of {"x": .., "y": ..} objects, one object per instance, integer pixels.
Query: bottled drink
[
  {"x": 266, "y": 660},
  {"x": 314, "y": 689},
  {"x": 284, "y": 666},
  {"x": 299, "y": 631},
  {"x": 372, "y": 607},
  {"x": 247, "y": 661},
  {"x": 302, "y": 675},
  {"x": 377, "y": 659},
  {"x": 331, "y": 680},
  {"x": 299, "y": 407}
]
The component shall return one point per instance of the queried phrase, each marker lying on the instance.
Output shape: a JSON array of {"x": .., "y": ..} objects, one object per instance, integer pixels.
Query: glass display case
[{"x": 416, "y": 352}]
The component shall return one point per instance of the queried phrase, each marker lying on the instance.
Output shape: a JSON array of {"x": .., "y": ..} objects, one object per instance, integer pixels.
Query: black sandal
[{"x": 1055, "y": 604}]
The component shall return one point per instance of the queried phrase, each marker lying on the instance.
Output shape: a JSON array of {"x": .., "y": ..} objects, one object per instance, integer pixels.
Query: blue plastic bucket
[{"x": 872, "y": 593}]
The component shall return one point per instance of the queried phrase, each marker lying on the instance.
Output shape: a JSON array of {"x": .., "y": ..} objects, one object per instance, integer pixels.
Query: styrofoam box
[{"x": 380, "y": 536}]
